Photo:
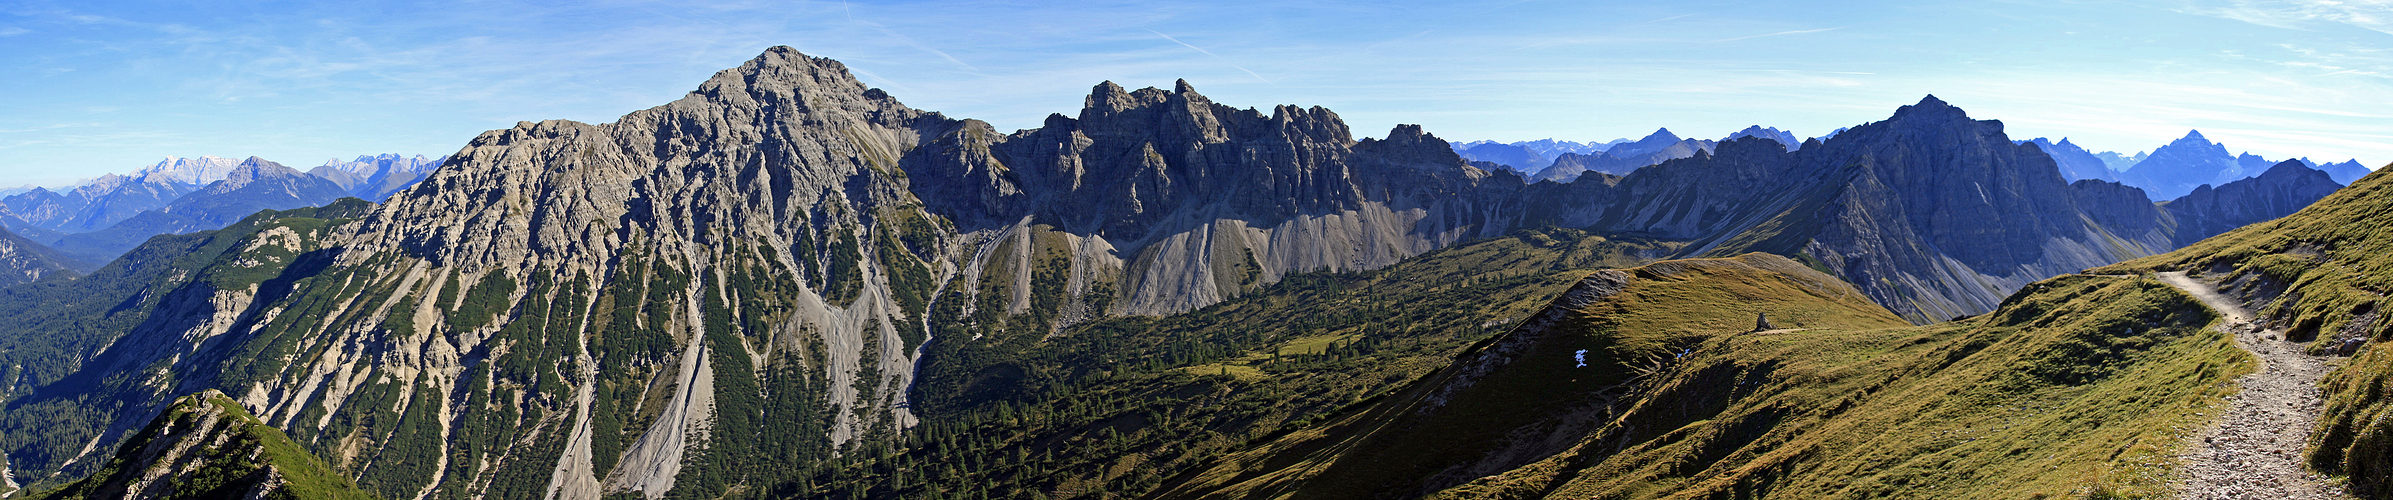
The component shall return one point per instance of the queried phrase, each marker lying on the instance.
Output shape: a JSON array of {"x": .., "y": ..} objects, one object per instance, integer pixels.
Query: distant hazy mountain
[
  {"x": 2118, "y": 162},
  {"x": 254, "y": 185},
  {"x": 1527, "y": 156},
  {"x": 376, "y": 177},
  {"x": 194, "y": 171},
  {"x": 92, "y": 221},
  {"x": 1623, "y": 158},
  {"x": 2076, "y": 163},
  {"x": 1552, "y": 148},
  {"x": 2344, "y": 172},
  {"x": 1784, "y": 138},
  {"x": 1509, "y": 155},
  {"x": 94, "y": 205},
  {"x": 2175, "y": 169}
]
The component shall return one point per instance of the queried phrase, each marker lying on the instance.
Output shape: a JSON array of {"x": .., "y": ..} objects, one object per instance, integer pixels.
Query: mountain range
[
  {"x": 374, "y": 178},
  {"x": 1548, "y": 159},
  {"x": 94, "y": 222},
  {"x": 2166, "y": 173},
  {"x": 786, "y": 283}
]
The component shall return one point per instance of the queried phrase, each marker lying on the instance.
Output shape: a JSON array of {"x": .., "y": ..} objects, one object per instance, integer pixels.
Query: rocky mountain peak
[
  {"x": 783, "y": 76},
  {"x": 254, "y": 168},
  {"x": 1107, "y": 96},
  {"x": 1784, "y": 138},
  {"x": 1409, "y": 144},
  {"x": 2287, "y": 168},
  {"x": 1748, "y": 145},
  {"x": 1929, "y": 108},
  {"x": 190, "y": 171},
  {"x": 2191, "y": 137},
  {"x": 1660, "y": 135}
]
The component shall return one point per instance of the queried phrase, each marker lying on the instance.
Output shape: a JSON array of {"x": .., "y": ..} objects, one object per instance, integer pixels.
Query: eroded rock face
[{"x": 751, "y": 275}]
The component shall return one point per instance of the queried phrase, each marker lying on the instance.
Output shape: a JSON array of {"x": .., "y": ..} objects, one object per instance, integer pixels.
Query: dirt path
[{"x": 2255, "y": 451}]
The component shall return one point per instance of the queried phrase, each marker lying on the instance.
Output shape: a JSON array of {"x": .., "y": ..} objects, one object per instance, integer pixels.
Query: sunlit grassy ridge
[
  {"x": 2322, "y": 274},
  {"x": 1529, "y": 382},
  {"x": 228, "y": 459},
  {"x": 1116, "y": 406},
  {"x": 2078, "y": 386},
  {"x": 2082, "y": 385}
]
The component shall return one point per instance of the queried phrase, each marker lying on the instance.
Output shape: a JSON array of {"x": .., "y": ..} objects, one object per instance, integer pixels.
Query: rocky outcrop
[{"x": 22, "y": 260}]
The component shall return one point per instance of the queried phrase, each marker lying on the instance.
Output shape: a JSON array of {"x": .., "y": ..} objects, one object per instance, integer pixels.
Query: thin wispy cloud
[
  {"x": 1201, "y": 50},
  {"x": 2374, "y": 15},
  {"x": 1781, "y": 33},
  {"x": 1667, "y": 19}
]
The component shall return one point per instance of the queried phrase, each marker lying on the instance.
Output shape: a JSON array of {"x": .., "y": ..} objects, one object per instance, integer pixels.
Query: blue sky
[{"x": 95, "y": 89}]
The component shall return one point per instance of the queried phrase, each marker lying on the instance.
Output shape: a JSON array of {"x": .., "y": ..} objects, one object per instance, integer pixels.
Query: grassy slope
[
  {"x": 2077, "y": 386},
  {"x": 1537, "y": 394},
  {"x": 2082, "y": 385},
  {"x": 2323, "y": 273}
]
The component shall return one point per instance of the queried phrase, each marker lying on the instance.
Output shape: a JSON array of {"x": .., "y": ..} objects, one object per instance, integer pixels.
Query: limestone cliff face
[
  {"x": 744, "y": 280},
  {"x": 1173, "y": 202}
]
